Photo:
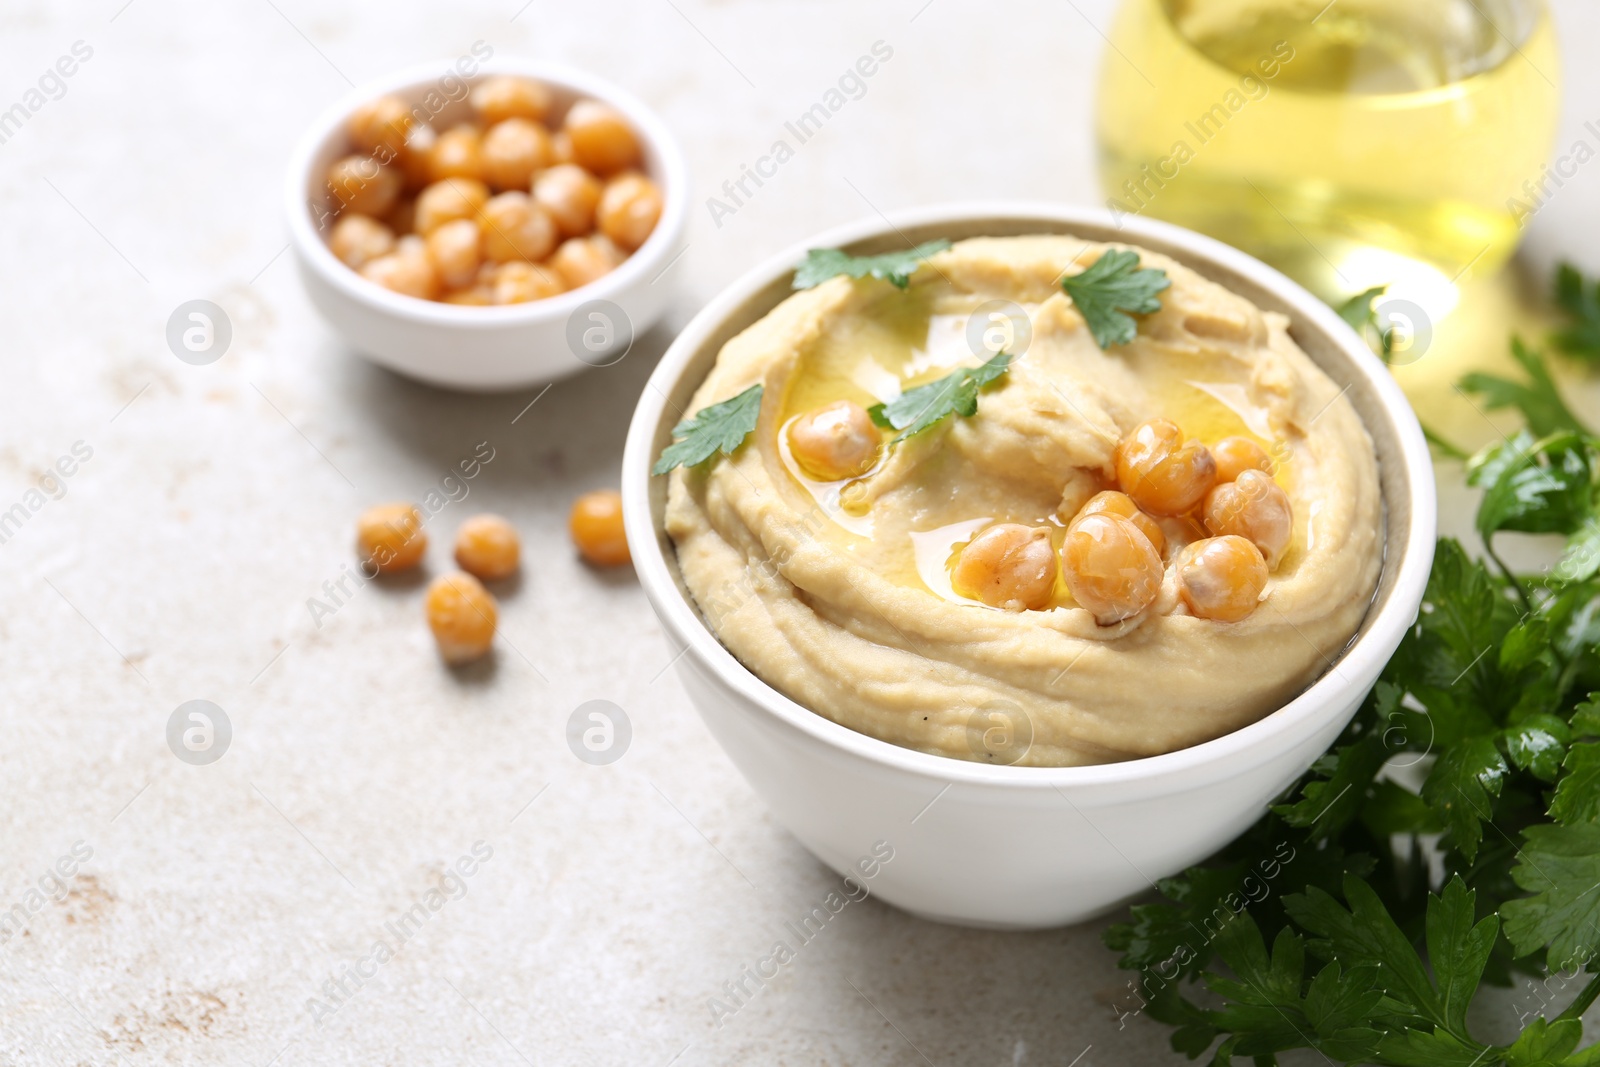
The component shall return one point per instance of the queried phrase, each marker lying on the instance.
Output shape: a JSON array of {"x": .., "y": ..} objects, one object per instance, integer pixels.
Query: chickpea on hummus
[{"x": 1138, "y": 548}]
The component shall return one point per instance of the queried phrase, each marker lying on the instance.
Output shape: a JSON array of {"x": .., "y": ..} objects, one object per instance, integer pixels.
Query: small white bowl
[
  {"x": 487, "y": 348},
  {"x": 1023, "y": 847}
]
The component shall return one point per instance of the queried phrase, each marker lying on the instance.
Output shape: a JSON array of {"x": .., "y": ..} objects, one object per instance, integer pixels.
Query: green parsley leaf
[
  {"x": 1545, "y": 486},
  {"x": 955, "y": 394},
  {"x": 1524, "y": 644},
  {"x": 895, "y": 268},
  {"x": 1589, "y": 1057},
  {"x": 1421, "y": 1048},
  {"x": 1460, "y": 788},
  {"x": 1497, "y": 459},
  {"x": 720, "y": 427},
  {"x": 1327, "y": 806},
  {"x": 1586, "y": 717},
  {"x": 1266, "y": 1009},
  {"x": 1358, "y": 312},
  {"x": 1537, "y": 745},
  {"x": 1174, "y": 938},
  {"x": 1577, "y": 796},
  {"x": 1458, "y": 948},
  {"x": 1391, "y": 809},
  {"x": 1544, "y": 1043},
  {"x": 1162, "y": 939},
  {"x": 1560, "y": 866},
  {"x": 1367, "y": 932},
  {"x": 1581, "y": 559},
  {"x": 1114, "y": 285},
  {"x": 1374, "y": 977},
  {"x": 1537, "y": 398},
  {"x": 1465, "y": 617},
  {"x": 1574, "y": 625},
  {"x": 1363, "y": 319},
  {"x": 1581, "y": 301}
]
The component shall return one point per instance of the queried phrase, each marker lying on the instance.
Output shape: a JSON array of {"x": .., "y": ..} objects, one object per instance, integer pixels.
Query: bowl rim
[
  {"x": 1274, "y": 733},
  {"x": 315, "y": 254}
]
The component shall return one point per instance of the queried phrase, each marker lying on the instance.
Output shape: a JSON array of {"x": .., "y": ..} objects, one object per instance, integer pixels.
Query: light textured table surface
[{"x": 178, "y": 564}]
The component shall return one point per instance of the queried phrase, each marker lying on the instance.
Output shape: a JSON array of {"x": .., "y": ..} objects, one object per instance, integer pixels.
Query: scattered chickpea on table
[
  {"x": 391, "y": 537},
  {"x": 498, "y": 210},
  {"x": 487, "y": 547},
  {"x": 462, "y": 614},
  {"x": 596, "y": 527}
]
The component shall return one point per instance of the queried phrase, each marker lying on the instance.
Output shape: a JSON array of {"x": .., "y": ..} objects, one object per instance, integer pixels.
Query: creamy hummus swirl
[{"x": 843, "y": 607}]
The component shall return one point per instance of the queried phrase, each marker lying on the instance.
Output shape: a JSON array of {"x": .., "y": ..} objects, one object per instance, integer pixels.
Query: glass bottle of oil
[{"x": 1350, "y": 143}]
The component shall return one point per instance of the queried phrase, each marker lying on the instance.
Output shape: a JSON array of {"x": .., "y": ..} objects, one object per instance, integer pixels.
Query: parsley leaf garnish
[
  {"x": 720, "y": 427},
  {"x": 1485, "y": 727},
  {"x": 1113, "y": 286},
  {"x": 1363, "y": 319},
  {"x": 1358, "y": 311},
  {"x": 955, "y": 394},
  {"x": 894, "y": 267}
]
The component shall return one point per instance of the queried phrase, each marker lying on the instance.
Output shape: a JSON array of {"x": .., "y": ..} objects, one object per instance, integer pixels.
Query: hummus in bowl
[
  {"x": 845, "y": 590},
  {"x": 986, "y": 841}
]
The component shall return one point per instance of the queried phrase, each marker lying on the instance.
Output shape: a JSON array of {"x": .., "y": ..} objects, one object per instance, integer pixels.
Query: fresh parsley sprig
[
  {"x": 1580, "y": 299},
  {"x": 720, "y": 427},
  {"x": 1536, "y": 397},
  {"x": 955, "y": 394},
  {"x": 1112, "y": 287},
  {"x": 895, "y": 268},
  {"x": 1322, "y": 927}
]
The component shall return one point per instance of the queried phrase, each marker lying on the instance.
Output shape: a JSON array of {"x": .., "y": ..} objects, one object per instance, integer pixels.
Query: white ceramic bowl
[
  {"x": 487, "y": 348},
  {"x": 1024, "y": 847}
]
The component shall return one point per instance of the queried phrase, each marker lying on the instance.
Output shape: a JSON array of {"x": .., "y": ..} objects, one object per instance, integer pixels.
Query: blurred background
[{"x": 1357, "y": 145}]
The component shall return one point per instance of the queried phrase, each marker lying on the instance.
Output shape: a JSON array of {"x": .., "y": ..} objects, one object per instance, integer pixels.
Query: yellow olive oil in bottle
[{"x": 1350, "y": 144}]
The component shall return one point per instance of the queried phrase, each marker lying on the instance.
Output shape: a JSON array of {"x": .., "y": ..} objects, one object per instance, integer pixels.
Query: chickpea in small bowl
[{"x": 488, "y": 226}]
